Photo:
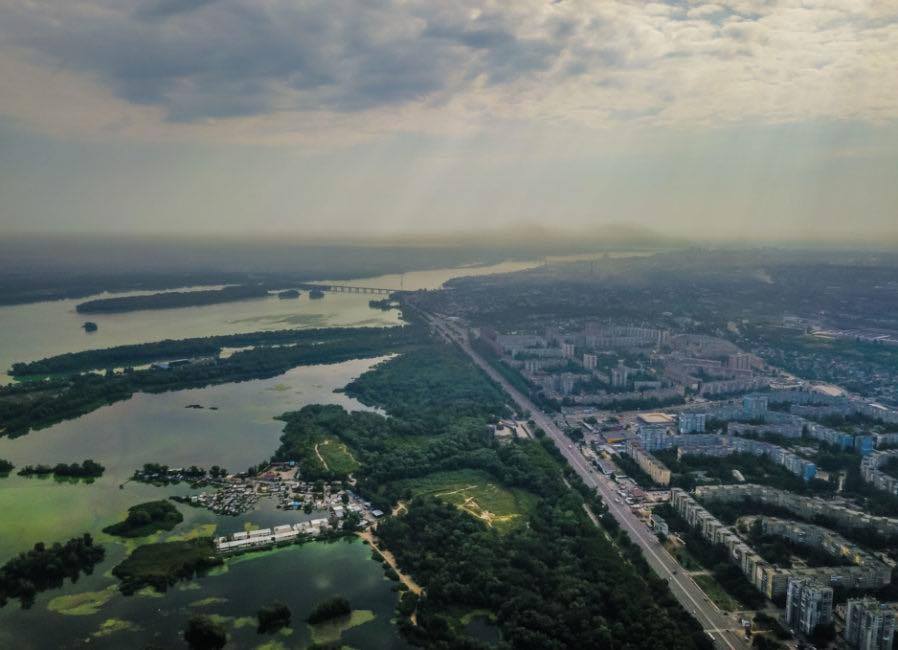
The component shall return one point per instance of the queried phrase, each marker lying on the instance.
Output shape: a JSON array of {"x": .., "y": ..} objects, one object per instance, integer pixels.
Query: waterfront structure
[
  {"x": 869, "y": 625},
  {"x": 808, "y": 604},
  {"x": 268, "y": 537},
  {"x": 872, "y": 474}
]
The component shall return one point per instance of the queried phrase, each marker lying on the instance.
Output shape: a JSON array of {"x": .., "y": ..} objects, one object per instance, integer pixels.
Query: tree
[
  {"x": 351, "y": 522},
  {"x": 273, "y": 617},
  {"x": 203, "y": 633}
]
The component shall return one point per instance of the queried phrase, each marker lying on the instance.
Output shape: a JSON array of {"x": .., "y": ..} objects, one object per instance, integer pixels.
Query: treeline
[
  {"x": 88, "y": 469},
  {"x": 171, "y": 299},
  {"x": 5, "y": 467},
  {"x": 556, "y": 582},
  {"x": 44, "y": 568},
  {"x": 206, "y": 346},
  {"x": 40, "y": 404}
]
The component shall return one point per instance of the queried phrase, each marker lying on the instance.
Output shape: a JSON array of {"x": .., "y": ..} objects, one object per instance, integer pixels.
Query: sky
[{"x": 733, "y": 119}]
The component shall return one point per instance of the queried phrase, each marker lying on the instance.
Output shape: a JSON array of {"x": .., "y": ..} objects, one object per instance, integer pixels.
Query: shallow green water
[
  {"x": 300, "y": 576},
  {"x": 159, "y": 428},
  {"x": 152, "y": 428}
]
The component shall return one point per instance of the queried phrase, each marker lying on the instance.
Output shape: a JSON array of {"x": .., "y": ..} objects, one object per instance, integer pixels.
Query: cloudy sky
[{"x": 737, "y": 117}]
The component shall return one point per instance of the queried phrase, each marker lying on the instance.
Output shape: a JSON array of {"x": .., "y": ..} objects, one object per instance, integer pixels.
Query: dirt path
[
  {"x": 321, "y": 458},
  {"x": 443, "y": 494},
  {"x": 407, "y": 580}
]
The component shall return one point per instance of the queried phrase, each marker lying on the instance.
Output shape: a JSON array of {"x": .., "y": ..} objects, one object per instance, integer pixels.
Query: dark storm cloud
[{"x": 199, "y": 59}]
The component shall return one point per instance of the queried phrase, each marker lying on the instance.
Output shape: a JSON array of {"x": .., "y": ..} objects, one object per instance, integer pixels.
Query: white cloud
[{"x": 328, "y": 70}]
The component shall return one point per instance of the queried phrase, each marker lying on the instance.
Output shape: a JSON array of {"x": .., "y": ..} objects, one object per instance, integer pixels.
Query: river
[{"x": 38, "y": 330}]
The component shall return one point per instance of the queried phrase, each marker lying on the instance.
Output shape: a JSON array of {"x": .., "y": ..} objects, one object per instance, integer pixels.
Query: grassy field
[
  {"x": 478, "y": 494},
  {"x": 716, "y": 593},
  {"x": 337, "y": 456}
]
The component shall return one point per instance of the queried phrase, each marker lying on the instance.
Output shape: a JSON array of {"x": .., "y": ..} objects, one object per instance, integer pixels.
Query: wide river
[{"x": 42, "y": 329}]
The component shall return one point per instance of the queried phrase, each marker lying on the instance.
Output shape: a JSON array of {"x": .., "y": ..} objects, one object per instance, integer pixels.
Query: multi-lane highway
[{"x": 724, "y": 629}]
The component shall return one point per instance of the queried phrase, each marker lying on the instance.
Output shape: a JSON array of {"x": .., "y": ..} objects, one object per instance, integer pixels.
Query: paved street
[{"x": 722, "y": 628}]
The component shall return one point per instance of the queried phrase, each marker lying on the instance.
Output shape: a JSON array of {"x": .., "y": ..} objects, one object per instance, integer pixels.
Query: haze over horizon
[{"x": 737, "y": 119}]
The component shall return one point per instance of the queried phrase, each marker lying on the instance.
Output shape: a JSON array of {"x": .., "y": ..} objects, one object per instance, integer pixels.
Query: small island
[
  {"x": 316, "y": 294},
  {"x": 158, "y": 474},
  {"x": 273, "y": 617},
  {"x": 162, "y": 564},
  {"x": 89, "y": 469},
  {"x": 146, "y": 518},
  {"x": 5, "y": 468},
  {"x": 171, "y": 299},
  {"x": 44, "y": 568},
  {"x": 288, "y": 294},
  {"x": 329, "y": 609},
  {"x": 203, "y": 633},
  {"x": 90, "y": 326}
]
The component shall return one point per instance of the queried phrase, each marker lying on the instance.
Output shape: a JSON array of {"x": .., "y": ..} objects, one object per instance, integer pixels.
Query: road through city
[{"x": 724, "y": 629}]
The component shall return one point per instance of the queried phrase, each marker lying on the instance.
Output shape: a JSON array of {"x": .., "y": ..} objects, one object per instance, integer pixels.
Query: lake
[
  {"x": 92, "y": 614},
  {"x": 153, "y": 428},
  {"x": 159, "y": 428}
]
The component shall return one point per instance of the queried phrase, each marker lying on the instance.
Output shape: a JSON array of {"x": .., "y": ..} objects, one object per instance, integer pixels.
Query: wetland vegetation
[
  {"x": 46, "y": 567},
  {"x": 147, "y": 518},
  {"x": 162, "y": 564}
]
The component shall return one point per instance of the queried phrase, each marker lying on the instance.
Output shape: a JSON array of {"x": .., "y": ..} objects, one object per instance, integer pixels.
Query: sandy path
[
  {"x": 407, "y": 580},
  {"x": 321, "y": 458}
]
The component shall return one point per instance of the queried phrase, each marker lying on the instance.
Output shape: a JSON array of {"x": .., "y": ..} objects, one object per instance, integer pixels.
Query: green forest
[{"x": 556, "y": 581}]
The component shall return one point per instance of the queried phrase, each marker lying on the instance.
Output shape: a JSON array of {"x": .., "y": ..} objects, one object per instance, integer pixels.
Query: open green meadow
[{"x": 478, "y": 494}]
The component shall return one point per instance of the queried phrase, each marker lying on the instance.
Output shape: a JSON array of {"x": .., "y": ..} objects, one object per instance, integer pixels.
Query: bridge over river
[{"x": 346, "y": 288}]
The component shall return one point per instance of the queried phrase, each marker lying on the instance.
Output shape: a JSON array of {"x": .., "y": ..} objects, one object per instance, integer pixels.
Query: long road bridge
[{"x": 346, "y": 288}]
